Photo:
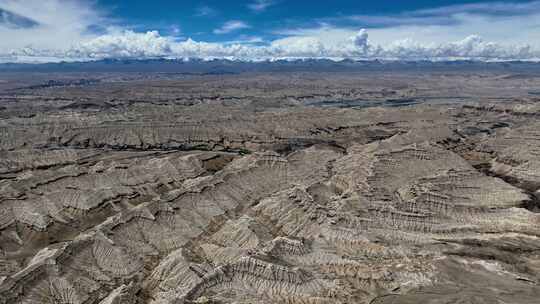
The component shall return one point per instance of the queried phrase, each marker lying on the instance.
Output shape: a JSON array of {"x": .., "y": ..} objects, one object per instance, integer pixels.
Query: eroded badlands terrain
[{"x": 270, "y": 188}]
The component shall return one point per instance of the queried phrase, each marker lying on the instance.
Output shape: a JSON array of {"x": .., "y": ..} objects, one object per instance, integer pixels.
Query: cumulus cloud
[
  {"x": 505, "y": 23},
  {"x": 124, "y": 44},
  {"x": 54, "y": 30},
  {"x": 129, "y": 44},
  {"x": 231, "y": 26},
  {"x": 299, "y": 47},
  {"x": 360, "y": 40},
  {"x": 260, "y": 5}
]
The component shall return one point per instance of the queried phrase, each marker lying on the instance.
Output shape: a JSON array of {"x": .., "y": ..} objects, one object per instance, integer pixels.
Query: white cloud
[
  {"x": 260, "y": 5},
  {"x": 485, "y": 8},
  {"x": 341, "y": 43},
  {"x": 205, "y": 11},
  {"x": 246, "y": 39},
  {"x": 58, "y": 24},
  {"x": 299, "y": 47},
  {"x": 505, "y": 23},
  {"x": 360, "y": 40},
  {"x": 129, "y": 44},
  {"x": 231, "y": 26},
  {"x": 125, "y": 44},
  {"x": 176, "y": 30},
  {"x": 58, "y": 30},
  {"x": 448, "y": 15}
]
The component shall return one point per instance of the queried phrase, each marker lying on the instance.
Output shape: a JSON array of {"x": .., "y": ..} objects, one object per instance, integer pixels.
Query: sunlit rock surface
[{"x": 277, "y": 188}]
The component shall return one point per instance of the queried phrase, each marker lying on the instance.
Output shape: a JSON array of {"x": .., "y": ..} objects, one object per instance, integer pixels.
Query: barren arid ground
[{"x": 300, "y": 187}]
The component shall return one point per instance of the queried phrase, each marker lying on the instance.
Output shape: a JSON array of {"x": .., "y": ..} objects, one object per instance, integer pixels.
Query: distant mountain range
[{"x": 223, "y": 66}]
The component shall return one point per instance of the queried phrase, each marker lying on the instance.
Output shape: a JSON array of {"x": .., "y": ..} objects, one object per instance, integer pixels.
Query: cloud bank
[
  {"x": 129, "y": 44},
  {"x": 59, "y": 30}
]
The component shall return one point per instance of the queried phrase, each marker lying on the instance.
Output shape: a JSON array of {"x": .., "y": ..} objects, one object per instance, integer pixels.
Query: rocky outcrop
[{"x": 247, "y": 191}]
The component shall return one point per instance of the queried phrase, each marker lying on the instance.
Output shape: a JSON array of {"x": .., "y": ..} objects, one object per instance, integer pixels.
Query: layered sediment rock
[{"x": 255, "y": 200}]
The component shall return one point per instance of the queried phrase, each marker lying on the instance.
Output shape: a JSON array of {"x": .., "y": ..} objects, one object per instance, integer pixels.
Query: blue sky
[
  {"x": 52, "y": 30},
  {"x": 265, "y": 18}
]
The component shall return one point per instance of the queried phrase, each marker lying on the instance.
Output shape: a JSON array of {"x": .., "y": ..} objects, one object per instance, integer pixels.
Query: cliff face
[{"x": 292, "y": 188}]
